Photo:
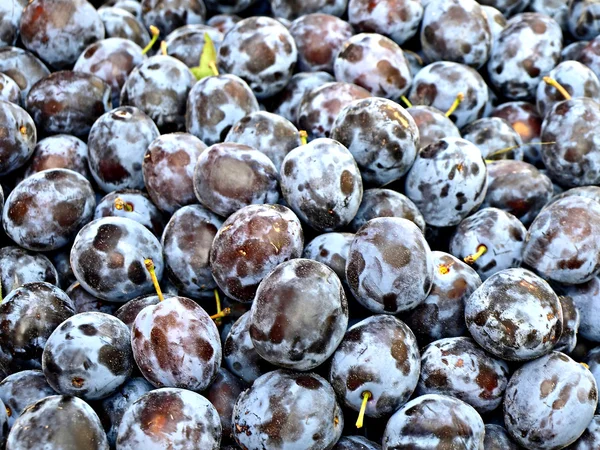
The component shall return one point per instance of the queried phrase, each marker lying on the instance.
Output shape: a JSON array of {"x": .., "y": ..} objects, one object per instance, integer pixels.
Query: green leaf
[{"x": 208, "y": 60}]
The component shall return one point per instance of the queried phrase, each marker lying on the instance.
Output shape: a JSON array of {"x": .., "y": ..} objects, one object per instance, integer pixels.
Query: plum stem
[
  {"x": 514, "y": 147},
  {"x": 363, "y": 407},
  {"x": 121, "y": 204},
  {"x": 457, "y": 101},
  {"x": 218, "y": 301},
  {"x": 481, "y": 250},
  {"x": 163, "y": 48},
  {"x": 303, "y": 137},
  {"x": 150, "y": 268},
  {"x": 155, "y": 33},
  {"x": 555, "y": 84},
  {"x": 406, "y": 102},
  {"x": 220, "y": 314}
]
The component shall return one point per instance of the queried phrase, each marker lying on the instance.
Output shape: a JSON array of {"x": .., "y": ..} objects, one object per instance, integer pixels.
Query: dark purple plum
[
  {"x": 251, "y": 243},
  {"x": 386, "y": 203},
  {"x": 176, "y": 344},
  {"x": 18, "y": 137},
  {"x": 292, "y": 9},
  {"x": 319, "y": 38},
  {"x": 585, "y": 299},
  {"x": 68, "y": 102},
  {"x": 88, "y": 356},
  {"x": 321, "y": 182},
  {"x": 23, "y": 67},
  {"x": 582, "y": 19},
  {"x": 187, "y": 43},
  {"x": 497, "y": 438},
  {"x": 10, "y": 17},
  {"x": 29, "y": 315},
  {"x": 299, "y": 315},
  {"x": 271, "y": 134},
  {"x": 433, "y": 420},
  {"x": 262, "y": 52},
  {"x": 223, "y": 393},
  {"x": 59, "y": 30},
  {"x": 389, "y": 267},
  {"x": 330, "y": 249},
  {"x": 382, "y": 137},
  {"x": 562, "y": 242},
  {"x": 456, "y": 30},
  {"x": 496, "y": 20},
  {"x": 215, "y": 104},
  {"x": 170, "y": 418},
  {"x": 495, "y": 138},
  {"x": 168, "y": 170},
  {"x": 19, "y": 266},
  {"x": 515, "y": 315},
  {"x": 121, "y": 23},
  {"x": 59, "y": 152},
  {"x": 186, "y": 242},
  {"x": 83, "y": 301},
  {"x": 168, "y": 15},
  {"x": 374, "y": 62},
  {"x": 283, "y": 409},
  {"x": 46, "y": 210},
  {"x": 379, "y": 357},
  {"x": 9, "y": 89},
  {"x": 549, "y": 402},
  {"x": 433, "y": 124},
  {"x": 60, "y": 422},
  {"x": 355, "y": 443},
  {"x": 590, "y": 439},
  {"x": 459, "y": 368},
  {"x": 442, "y": 314},
  {"x": 447, "y": 181},
  {"x": 227, "y": 20},
  {"x": 108, "y": 258},
  {"x": 229, "y": 176},
  {"x": 571, "y": 321}
]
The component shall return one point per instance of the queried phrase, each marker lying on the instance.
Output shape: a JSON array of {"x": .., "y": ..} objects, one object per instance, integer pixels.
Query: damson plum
[
  {"x": 319, "y": 38},
  {"x": 171, "y": 418},
  {"x": 23, "y": 67},
  {"x": 46, "y": 210},
  {"x": 286, "y": 409},
  {"x": 59, "y": 152},
  {"x": 187, "y": 43},
  {"x": 59, "y": 422},
  {"x": 518, "y": 188},
  {"x": 19, "y": 266},
  {"x": 223, "y": 393},
  {"x": 112, "y": 408},
  {"x": 171, "y": 14},
  {"x": 9, "y": 89},
  {"x": 390, "y": 266},
  {"x": 271, "y": 134},
  {"x": 378, "y": 358},
  {"x": 215, "y": 104},
  {"x": 374, "y": 62},
  {"x": 132, "y": 204},
  {"x": 434, "y": 421},
  {"x": 176, "y": 344},
  {"x": 261, "y": 51},
  {"x": 590, "y": 439},
  {"x": 497, "y": 438},
  {"x": 186, "y": 243},
  {"x": 456, "y": 30},
  {"x": 330, "y": 249},
  {"x": 356, "y": 443},
  {"x": 59, "y": 30},
  {"x": 442, "y": 314},
  {"x": 226, "y": 21},
  {"x": 168, "y": 170},
  {"x": 68, "y": 102},
  {"x": 515, "y": 315},
  {"x": 229, "y": 176},
  {"x": 83, "y": 301},
  {"x": 130, "y": 310},
  {"x": 251, "y": 243},
  {"x": 321, "y": 105},
  {"x": 160, "y": 87},
  {"x": 447, "y": 181},
  {"x": 494, "y": 136},
  {"x": 571, "y": 322},
  {"x": 386, "y": 203},
  {"x": 239, "y": 355},
  {"x": 322, "y": 184},
  {"x": 88, "y": 355},
  {"x": 500, "y": 233},
  {"x": 562, "y": 242},
  {"x": 381, "y": 135},
  {"x": 18, "y": 137},
  {"x": 124, "y": 23},
  {"x": 584, "y": 297},
  {"x": 282, "y": 330},
  {"x": 10, "y": 16},
  {"x": 21, "y": 389},
  {"x": 291, "y": 9},
  {"x": 108, "y": 258},
  {"x": 549, "y": 402},
  {"x": 433, "y": 124},
  {"x": 457, "y": 367},
  {"x": 287, "y": 102}
]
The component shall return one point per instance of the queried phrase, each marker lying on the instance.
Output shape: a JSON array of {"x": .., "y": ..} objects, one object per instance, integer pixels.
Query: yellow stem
[
  {"x": 163, "y": 48},
  {"x": 150, "y": 267},
  {"x": 361, "y": 414},
  {"x": 457, "y": 101},
  {"x": 218, "y": 300},
  {"x": 214, "y": 69},
  {"x": 406, "y": 102},
  {"x": 585, "y": 365},
  {"x": 303, "y": 137},
  {"x": 555, "y": 84},
  {"x": 220, "y": 314},
  {"x": 121, "y": 204},
  {"x": 481, "y": 250},
  {"x": 155, "y": 33}
]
